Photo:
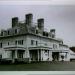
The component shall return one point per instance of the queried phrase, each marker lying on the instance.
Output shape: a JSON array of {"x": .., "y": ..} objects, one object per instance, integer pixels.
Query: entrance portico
[{"x": 40, "y": 54}]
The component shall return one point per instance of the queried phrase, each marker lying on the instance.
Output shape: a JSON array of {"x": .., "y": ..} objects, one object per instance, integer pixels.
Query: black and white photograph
[{"x": 37, "y": 36}]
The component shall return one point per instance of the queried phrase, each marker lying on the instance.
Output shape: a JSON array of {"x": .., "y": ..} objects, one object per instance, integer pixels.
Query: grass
[{"x": 42, "y": 66}]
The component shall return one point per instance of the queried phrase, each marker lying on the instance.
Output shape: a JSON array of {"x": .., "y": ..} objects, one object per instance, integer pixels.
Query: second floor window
[
  {"x": 36, "y": 42},
  {"x": 16, "y": 42},
  {"x": 1, "y": 45},
  {"x": 54, "y": 46},
  {"x": 19, "y": 42},
  {"x": 32, "y": 42}
]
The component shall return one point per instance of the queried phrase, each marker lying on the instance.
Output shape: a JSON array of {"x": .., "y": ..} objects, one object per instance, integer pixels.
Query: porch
[
  {"x": 40, "y": 54},
  {"x": 15, "y": 54}
]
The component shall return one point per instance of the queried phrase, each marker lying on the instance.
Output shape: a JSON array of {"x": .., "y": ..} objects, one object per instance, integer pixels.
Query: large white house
[{"x": 27, "y": 41}]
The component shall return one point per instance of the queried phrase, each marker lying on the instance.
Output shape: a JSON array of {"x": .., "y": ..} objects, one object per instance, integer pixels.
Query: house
[{"x": 28, "y": 41}]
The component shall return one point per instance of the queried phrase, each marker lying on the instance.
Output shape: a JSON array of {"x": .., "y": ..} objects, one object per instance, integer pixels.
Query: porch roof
[
  {"x": 47, "y": 48},
  {"x": 14, "y": 48},
  {"x": 40, "y": 47}
]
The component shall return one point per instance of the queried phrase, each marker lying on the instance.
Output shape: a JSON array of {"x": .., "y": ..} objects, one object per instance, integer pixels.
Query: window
[
  {"x": 1, "y": 33},
  {"x": 43, "y": 33},
  {"x": 36, "y": 31},
  {"x": 22, "y": 42},
  {"x": 47, "y": 34},
  {"x": 15, "y": 42},
  {"x": 54, "y": 46},
  {"x": 36, "y": 42},
  {"x": 1, "y": 45},
  {"x": 8, "y": 32},
  {"x": 15, "y": 31},
  {"x": 19, "y": 42},
  {"x": 8, "y": 43},
  {"x": 32, "y": 42}
]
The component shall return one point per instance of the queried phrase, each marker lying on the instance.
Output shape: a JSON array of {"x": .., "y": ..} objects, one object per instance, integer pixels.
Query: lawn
[{"x": 42, "y": 66}]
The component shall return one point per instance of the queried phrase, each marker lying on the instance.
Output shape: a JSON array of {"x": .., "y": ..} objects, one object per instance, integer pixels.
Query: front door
[
  {"x": 34, "y": 55},
  {"x": 20, "y": 54},
  {"x": 55, "y": 56}
]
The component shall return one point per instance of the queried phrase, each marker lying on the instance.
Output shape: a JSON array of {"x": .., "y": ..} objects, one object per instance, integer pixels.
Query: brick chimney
[
  {"x": 29, "y": 19},
  {"x": 41, "y": 24},
  {"x": 14, "y": 21}
]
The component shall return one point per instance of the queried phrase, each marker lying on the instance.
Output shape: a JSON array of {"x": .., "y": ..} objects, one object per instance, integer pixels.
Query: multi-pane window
[
  {"x": 54, "y": 46},
  {"x": 19, "y": 42}
]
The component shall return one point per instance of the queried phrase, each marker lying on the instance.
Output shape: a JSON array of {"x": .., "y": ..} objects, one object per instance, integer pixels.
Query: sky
[{"x": 59, "y": 17}]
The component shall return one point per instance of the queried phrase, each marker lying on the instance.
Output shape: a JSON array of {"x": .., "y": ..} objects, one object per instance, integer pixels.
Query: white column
[
  {"x": 68, "y": 56},
  {"x": 41, "y": 55},
  {"x": 15, "y": 53},
  {"x": 28, "y": 56},
  {"x": 24, "y": 54},
  {"x": 38, "y": 55},
  {"x": 59, "y": 56},
  {"x": 50, "y": 55},
  {"x": 27, "y": 53}
]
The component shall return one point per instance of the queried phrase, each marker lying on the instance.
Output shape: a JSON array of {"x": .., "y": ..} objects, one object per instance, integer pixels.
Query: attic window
[
  {"x": 43, "y": 33},
  {"x": 15, "y": 31},
  {"x": 1, "y": 33},
  {"x": 36, "y": 31},
  {"x": 8, "y": 32}
]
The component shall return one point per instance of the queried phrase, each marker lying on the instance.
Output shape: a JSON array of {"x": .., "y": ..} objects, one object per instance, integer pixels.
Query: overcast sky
[{"x": 60, "y": 17}]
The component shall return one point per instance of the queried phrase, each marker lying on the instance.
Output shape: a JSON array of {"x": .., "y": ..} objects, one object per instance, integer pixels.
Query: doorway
[{"x": 55, "y": 56}]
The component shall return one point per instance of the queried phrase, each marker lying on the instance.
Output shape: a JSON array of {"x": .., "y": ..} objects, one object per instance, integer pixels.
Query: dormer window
[
  {"x": 36, "y": 31},
  {"x": 15, "y": 31},
  {"x": 45, "y": 34},
  {"x": 8, "y": 32},
  {"x": 1, "y": 33}
]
